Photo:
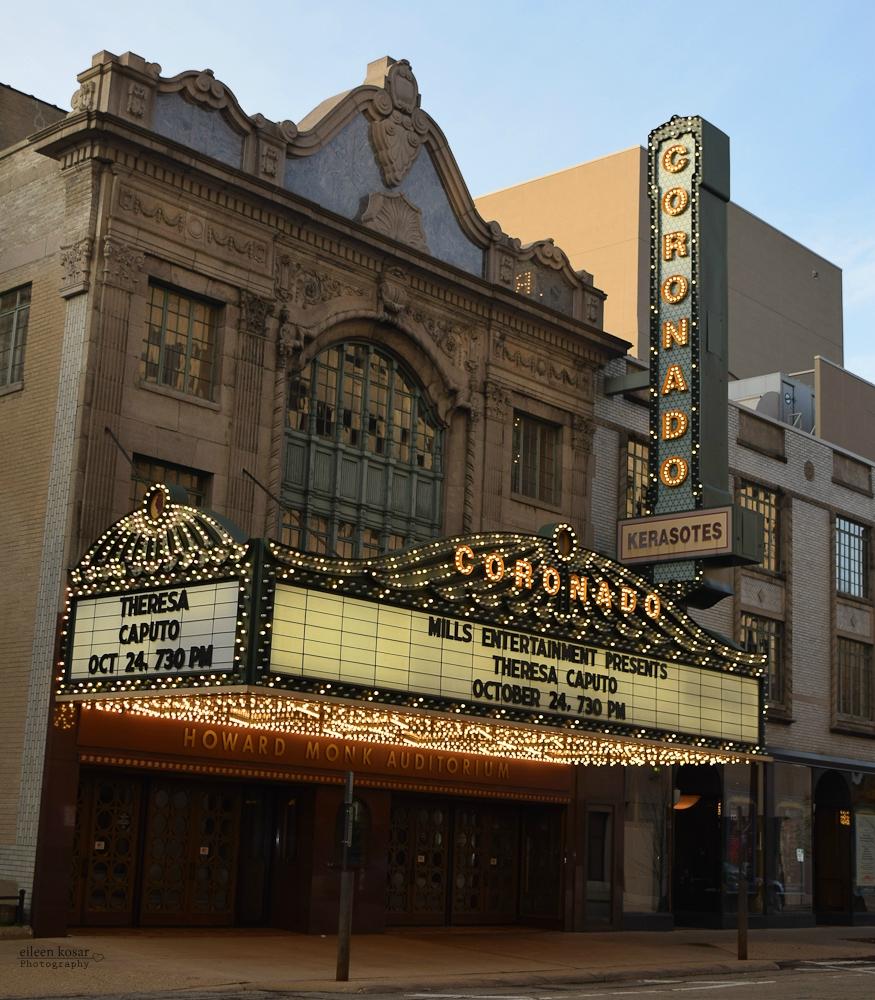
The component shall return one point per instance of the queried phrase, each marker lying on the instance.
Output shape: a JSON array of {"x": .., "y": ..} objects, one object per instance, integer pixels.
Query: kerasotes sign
[
  {"x": 373, "y": 645},
  {"x": 689, "y": 189}
]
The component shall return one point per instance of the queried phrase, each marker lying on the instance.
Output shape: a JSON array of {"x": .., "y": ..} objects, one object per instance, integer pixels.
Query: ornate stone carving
[
  {"x": 497, "y": 401},
  {"x": 131, "y": 201},
  {"x": 137, "y": 100},
  {"x": 505, "y": 270},
  {"x": 123, "y": 264},
  {"x": 206, "y": 89},
  {"x": 582, "y": 433},
  {"x": 448, "y": 335},
  {"x": 305, "y": 287},
  {"x": 290, "y": 341},
  {"x": 399, "y": 126},
  {"x": 394, "y": 216},
  {"x": 393, "y": 290},
  {"x": 539, "y": 366},
  {"x": 75, "y": 261},
  {"x": 592, "y": 308},
  {"x": 269, "y": 159},
  {"x": 253, "y": 249},
  {"x": 85, "y": 97},
  {"x": 254, "y": 312}
]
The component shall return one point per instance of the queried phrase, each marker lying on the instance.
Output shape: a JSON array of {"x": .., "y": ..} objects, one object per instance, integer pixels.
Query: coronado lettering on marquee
[{"x": 608, "y": 595}]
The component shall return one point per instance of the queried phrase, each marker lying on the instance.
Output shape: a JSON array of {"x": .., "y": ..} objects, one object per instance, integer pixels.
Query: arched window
[{"x": 362, "y": 469}]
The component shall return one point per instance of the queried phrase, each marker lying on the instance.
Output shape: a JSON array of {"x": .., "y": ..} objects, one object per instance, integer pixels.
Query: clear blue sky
[{"x": 526, "y": 88}]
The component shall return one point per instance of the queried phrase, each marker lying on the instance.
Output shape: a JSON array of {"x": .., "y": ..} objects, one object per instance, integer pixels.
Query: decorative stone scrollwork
[
  {"x": 122, "y": 264},
  {"x": 85, "y": 97},
  {"x": 75, "y": 261},
  {"x": 399, "y": 126},
  {"x": 497, "y": 401},
  {"x": 290, "y": 342},
  {"x": 393, "y": 291},
  {"x": 254, "y": 312},
  {"x": 396, "y": 217},
  {"x": 137, "y": 100},
  {"x": 304, "y": 286},
  {"x": 269, "y": 158}
]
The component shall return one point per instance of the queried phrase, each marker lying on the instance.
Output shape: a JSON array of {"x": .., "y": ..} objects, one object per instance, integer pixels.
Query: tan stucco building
[{"x": 785, "y": 302}]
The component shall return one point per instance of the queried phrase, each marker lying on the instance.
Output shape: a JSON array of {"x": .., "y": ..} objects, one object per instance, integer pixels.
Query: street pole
[
  {"x": 344, "y": 923},
  {"x": 746, "y": 831}
]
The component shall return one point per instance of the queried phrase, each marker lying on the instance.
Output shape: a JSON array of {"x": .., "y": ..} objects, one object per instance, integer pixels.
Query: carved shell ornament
[
  {"x": 394, "y": 216},
  {"x": 399, "y": 126}
]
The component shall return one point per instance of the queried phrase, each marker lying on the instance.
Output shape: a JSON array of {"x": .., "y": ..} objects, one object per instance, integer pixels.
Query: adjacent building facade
[{"x": 373, "y": 396}]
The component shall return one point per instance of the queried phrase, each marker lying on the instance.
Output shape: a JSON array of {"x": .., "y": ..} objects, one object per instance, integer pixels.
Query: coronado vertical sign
[{"x": 689, "y": 189}]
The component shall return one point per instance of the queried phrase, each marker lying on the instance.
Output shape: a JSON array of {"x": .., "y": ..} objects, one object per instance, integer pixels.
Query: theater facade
[{"x": 510, "y": 705}]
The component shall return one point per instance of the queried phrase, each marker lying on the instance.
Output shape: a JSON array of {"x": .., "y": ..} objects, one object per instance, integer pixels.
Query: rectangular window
[
  {"x": 14, "y": 313},
  {"x": 766, "y": 501},
  {"x": 852, "y": 558},
  {"x": 535, "y": 470},
  {"x": 637, "y": 454},
  {"x": 766, "y": 637},
  {"x": 148, "y": 471},
  {"x": 180, "y": 343},
  {"x": 854, "y": 681}
]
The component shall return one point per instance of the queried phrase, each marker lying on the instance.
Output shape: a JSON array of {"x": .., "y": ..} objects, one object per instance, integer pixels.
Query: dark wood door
[
  {"x": 485, "y": 864},
  {"x": 189, "y": 854},
  {"x": 104, "y": 874},
  {"x": 418, "y": 862},
  {"x": 541, "y": 867}
]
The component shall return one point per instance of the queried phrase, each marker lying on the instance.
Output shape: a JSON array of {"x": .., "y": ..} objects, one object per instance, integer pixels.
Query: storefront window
[
  {"x": 789, "y": 858},
  {"x": 645, "y": 840},
  {"x": 863, "y": 792},
  {"x": 742, "y": 854}
]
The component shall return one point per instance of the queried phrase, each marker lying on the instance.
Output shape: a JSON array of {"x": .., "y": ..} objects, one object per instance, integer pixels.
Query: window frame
[
  {"x": 518, "y": 459},
  {"x": 214, "y": 312},
  {"x": 18, "y": 335},
  {"x": 172, "y": 467},
  {"x": 365, "y": 405},
  {"x": 865, "y": 720},
  {"x": 863, "y": 570},
  {"x": 630, "y": 475},
  {"x": 770, "y": 500},
  {"x": 774, "y": 630}
]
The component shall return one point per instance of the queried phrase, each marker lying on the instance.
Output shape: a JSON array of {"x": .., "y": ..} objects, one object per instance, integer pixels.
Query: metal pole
[
  {"x": 746, "y": 832},
  {"x": 344, "y": 923}
]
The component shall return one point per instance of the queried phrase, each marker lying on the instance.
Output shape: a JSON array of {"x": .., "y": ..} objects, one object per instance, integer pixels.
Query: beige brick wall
[{"x": 32, "y": 210}]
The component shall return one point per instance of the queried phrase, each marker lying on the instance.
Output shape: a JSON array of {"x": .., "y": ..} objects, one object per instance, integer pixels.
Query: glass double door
[
  {"x": 471, "y": 862},
  {"x": 154, "y": 852}
]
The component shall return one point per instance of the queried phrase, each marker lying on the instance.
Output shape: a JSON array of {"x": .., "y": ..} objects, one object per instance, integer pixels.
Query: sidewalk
[{"x": 144, "y": 961}]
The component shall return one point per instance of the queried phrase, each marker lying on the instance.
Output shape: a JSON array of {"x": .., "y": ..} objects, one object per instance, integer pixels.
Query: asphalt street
[{"x": 837, "y": 980}]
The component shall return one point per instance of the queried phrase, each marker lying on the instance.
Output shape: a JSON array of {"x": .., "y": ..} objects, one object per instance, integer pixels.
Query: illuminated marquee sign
[
  {"x": 345, "y": 641},
  {"x": 689, "y": 188},
  {"x": 160, "y": 633}
]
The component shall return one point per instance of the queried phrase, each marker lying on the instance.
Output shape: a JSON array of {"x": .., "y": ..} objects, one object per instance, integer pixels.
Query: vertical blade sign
[{"x": 689, "y": 189}]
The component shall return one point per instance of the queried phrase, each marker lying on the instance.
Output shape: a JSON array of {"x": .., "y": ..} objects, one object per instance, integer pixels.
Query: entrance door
[
  {"x": 832, "y": 849},
  {"x": 485, "y": 864},
  {"x": 190, "y": 854},
  {"x": 456, "y": 862},
  {"x": 418, "y": 862},
  {"x": 105, "y": 851},
  {"x": 540, "y": 868},
  {"x": 698, "y": 846},
  {"x": 599, "y": 866}
]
